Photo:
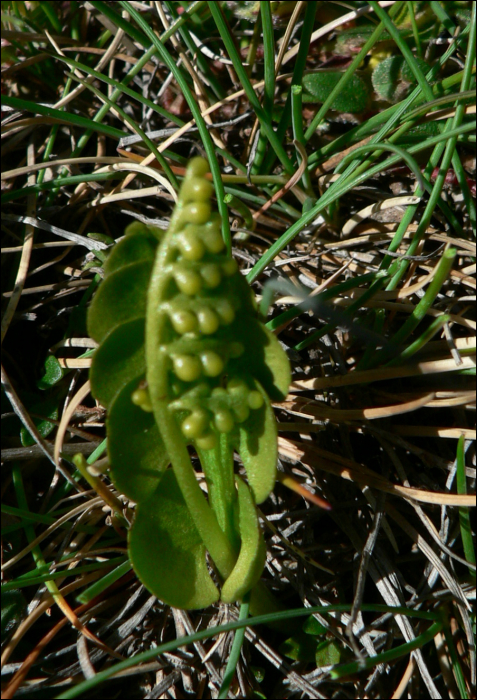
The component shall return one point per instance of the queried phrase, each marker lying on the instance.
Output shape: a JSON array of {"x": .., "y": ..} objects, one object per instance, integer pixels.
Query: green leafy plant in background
[
  {"x": 183, "y": 360},
  {"x": 46, "y": 405},
  {"x": 309, "y": 644},
  {"x": 13, "y": 609},
  {"x": 318, "y": 87},
  {"x": 393, "y": 79}
]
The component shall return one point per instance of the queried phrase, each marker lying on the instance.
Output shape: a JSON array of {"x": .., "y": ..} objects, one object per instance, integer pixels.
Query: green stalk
[
  {"x": 443, "y": 17},
  {"x": 50, "y": 13},
  {"x": 415, "y": 29},
  {"x": 80, "y": 689},
  {"x": 418, "y": 344},
  {"x": 218, "y": 466},
  {"x": 253, "y": 46},
  {"x": 203, "y": 62},
  {"x": 104, "y": 582},
  {"x": 263, "y": 117},
  {"x": 49, "y": 149},
  {"x": 337, "y": 190},
  {"x": 464, "y": 515},
  {"x": 386, "y": 656},
  {"x": 235, "y": 203},
  {"x": 455, "y": 660},
  {"x": 199, "y": 119},
  {"x": 298, "y": 135},
  {"x": 48, "y": 578},
  {"x": 42, "y": 567},
  {"x": 269, "y": 80},
  {"x": 235, "y": 650},
  {"x": 58, "y": 182},
  {"x": 419, "y": 312},
  {"x": 405, "y": 155},
  {"x": 63, "y": 117},
  {"x": 300, "y": 64}
]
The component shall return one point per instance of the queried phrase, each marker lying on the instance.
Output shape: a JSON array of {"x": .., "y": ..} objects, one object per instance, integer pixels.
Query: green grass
[{"x": 393, "y": 300}]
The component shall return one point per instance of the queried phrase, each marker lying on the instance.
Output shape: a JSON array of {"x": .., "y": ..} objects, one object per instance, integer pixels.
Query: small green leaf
[
  {"x": 353, "y": 99},
  {"x": 121, "y": 297},
  {"x": 167, "y": 552},
  {"x": 118, "y": 360},
  {"x": 328, "y": 653},
  {"x": 352, "y": 39},
  {"x": 420, "y": 132},
  {"x": 101, "y": 237},
  {"x": 312, "y": 626},
  {"x": 136, "y": 451},
  {"x": 258, "y": 673},
  {"x": 139, "y": 244},
  {"x": 300, "y": 647},
  {"x": 408, "y": 76},
  {"x": 349, "y": 41},
  {"x": 14, "y": 606},
  {"x": 138, "y": 228},
  {"x": 392, "y": 78},
  {"x": 53, "y": 373},
  {"x": 48, "y": 408},
  {"x": 386, "y": 77}
]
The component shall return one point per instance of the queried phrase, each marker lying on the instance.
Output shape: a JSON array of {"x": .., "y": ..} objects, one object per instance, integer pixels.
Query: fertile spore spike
[{"x": 184, "y": 360}]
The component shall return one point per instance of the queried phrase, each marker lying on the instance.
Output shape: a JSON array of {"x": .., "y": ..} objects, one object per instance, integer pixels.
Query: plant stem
[
  {"x": 218, "y": 468},
  {"x": 236, "y": 648}
]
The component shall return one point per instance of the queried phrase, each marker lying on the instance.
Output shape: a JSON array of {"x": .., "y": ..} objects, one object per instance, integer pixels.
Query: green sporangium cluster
[
  {"x": 216, "y": 409},
  {"x": 204, "y": 298}
]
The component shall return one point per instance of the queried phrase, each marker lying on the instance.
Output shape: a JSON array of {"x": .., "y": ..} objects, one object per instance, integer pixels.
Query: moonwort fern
[{"x": 184, "y": 365}]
